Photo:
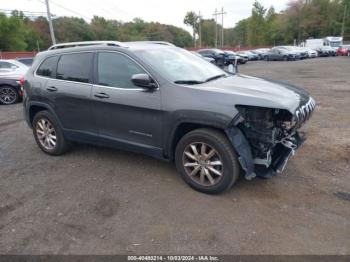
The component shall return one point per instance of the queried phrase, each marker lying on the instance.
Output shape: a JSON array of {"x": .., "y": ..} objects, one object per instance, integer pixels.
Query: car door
[
  {"x": 122, "y": 111},
  {"x": 277, "y": 54},
  {"x": 70, "y": 91}
]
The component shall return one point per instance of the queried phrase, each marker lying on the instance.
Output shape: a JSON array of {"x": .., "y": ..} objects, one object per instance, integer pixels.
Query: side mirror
[
  {"x": 13, "y": 67},
  {"x": 143, "y": 80}
]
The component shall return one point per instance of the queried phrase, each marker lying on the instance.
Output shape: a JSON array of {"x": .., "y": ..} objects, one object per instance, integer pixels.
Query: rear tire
[
  {"x": 8, "y": 95},
  {"x": 48, "y": 134},
  {"x": 206, "y": 161}
]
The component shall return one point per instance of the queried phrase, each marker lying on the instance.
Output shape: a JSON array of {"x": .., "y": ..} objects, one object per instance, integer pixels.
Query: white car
[
  {"x": 12, "y": 69},
  {"x": 310, "y": 52}
]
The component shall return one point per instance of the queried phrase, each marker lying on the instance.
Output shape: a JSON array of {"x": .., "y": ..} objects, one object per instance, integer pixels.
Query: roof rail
[
  {"x": 150, "y": 42},
  {"x": 86, "y": 43}
]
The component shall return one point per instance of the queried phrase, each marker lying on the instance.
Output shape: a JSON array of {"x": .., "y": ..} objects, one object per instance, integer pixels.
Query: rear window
[
  {"x": 74, "y": 67},
  {"x": 47, "y": 68}
]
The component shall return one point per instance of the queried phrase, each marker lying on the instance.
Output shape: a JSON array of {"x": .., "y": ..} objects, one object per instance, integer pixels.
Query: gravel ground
[{"x": 95, "y": 200}]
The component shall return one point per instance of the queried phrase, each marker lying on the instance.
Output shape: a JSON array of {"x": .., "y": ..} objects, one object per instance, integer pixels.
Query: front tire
[
  {"x": 8, "y": 95},
  {"x": 206, "y": 161},
  {"x": 48, "y": 134}
]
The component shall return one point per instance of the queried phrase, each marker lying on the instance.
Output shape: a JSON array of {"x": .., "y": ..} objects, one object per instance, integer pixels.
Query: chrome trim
[
  {"x": 85, "y": 43},
  {"x": 304, "y": 112}
]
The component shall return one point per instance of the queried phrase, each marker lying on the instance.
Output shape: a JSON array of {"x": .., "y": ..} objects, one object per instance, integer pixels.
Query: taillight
[{"x": 21, "y": 81}]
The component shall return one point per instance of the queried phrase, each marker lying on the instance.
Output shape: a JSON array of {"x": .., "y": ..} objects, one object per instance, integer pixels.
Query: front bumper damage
[
  {"x": 276, "y": 158},
  {"x": 278, "y": 161}
]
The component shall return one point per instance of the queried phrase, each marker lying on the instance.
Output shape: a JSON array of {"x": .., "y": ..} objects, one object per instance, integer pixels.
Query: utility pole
[
  {"x": 343, "y": 24},
  {"x": 200, "y": 29},
  {"x": 50, "y": 22},
  {"x": 216, "y": 26},
  {"x": 216, "y": 14},
  {"x": 222, "y": 26}
]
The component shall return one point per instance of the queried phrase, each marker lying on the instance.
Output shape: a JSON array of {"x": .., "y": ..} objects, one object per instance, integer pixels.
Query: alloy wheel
[
  {"x": 203, "y": 164},
  {"x": 46, "y": 134},
  {"x": 7, "y": 95}
]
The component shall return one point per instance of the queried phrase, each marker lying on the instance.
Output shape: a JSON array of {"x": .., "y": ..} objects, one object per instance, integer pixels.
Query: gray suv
[{"x": 165, "y": 102}]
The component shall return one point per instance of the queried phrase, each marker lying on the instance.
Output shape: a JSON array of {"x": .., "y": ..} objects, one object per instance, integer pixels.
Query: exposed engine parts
[{"x": 272, "y": 137}]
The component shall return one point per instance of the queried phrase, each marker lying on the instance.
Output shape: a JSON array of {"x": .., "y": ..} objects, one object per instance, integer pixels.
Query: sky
[{"x": 163, "y": 11}]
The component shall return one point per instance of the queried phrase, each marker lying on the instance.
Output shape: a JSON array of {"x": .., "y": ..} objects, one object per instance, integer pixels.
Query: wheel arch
[
  {"x": 35, "y": 107},
  {"x": 184, "y": 127}
]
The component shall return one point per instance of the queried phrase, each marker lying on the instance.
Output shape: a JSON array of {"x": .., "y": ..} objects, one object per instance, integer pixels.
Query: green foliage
[
  {"x": 18, "y": 33},
  {"x": 192, "y": 19},
  {"x": 12, "y": 32},
  {"x": 301, "y": 20}
]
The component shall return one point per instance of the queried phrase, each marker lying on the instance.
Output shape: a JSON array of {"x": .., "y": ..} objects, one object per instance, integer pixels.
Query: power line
[{"x": 67, "y": 9}]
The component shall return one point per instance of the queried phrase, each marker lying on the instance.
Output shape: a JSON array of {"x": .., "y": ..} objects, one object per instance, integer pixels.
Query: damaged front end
[{"x": 266, "y": 138}]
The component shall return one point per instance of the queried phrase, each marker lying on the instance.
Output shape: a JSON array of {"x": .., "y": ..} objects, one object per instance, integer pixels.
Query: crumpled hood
[{"x": 252, "y": 91}]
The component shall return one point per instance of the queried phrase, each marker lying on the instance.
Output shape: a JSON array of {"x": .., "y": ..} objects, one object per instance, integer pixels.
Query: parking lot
[{"x": 96, "y": 200}]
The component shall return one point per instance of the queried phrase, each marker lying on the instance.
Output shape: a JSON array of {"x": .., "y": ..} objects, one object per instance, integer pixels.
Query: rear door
[
  {"x": 123, "y": 111},
  {"x": 70, "y": 91}
]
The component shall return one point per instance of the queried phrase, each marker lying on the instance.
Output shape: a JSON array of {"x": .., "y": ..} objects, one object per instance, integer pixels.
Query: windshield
[
  {"x": 335, "y": 43},
  {"x": 179, "y": 65}
]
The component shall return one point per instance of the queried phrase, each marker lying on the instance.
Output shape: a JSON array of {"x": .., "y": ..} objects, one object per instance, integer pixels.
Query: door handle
[
  {"x": 101, "y": 95},
  {"x": 51, "y": 89}
]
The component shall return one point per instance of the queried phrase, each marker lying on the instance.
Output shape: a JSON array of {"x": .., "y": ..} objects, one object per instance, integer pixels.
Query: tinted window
[
  {"x": 7, "y": 65},
  {"x": 74, "y": 67},
  {"x": 116, "y": 70},
  {"x": 47, "y": 68}
]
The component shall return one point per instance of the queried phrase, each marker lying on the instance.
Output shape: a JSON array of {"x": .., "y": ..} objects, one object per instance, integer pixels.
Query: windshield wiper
[
  {"x": 215, "y": 77},
  {"x": 188, "y": 82}
]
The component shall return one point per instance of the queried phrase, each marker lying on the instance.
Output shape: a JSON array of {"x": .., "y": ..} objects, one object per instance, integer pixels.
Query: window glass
[
  {"x": 74, "y": 67},
  {"x": 6, "y": 65},
  {"x": 177, "y": 64},
  {"x": 47, "y": 68},
  {"x": 116, "y": 70}
]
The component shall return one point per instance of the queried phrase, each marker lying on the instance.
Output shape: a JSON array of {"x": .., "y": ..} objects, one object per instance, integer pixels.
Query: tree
[
  {"x": 191, "y": 19},
  {"x": 12, "y": 32},
  {"x": 104, "y": 29},
  {"x": 256, "y": 26}
]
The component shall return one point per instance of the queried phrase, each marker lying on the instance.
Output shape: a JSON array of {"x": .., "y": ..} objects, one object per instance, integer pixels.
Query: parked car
[
  {"x": 261, "y": 52},
  {"x": 343, "y": 50},
  {"x": 209, "y": 59},
  {"x": 325, "y": 51},
  {"x": 231, "y": 56},
  {"x": 12, "y": 69},
  {"x": 168, "y": 103},
  {"x": 10, "y": 91},
  {"x": 217, "y": 54},
  {"x": 310, "y": 52},
  {"x": 28, "y": 61},
  {"x": 251, "y": 56},
  {"x": 299, "y": 50},
  {"x": 281, "y": 54}
]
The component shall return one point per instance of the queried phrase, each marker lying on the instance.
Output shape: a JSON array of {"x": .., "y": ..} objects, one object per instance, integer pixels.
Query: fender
[
  {"x": 41, "y": 104},
  {"x": 201, "y": 118}
]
